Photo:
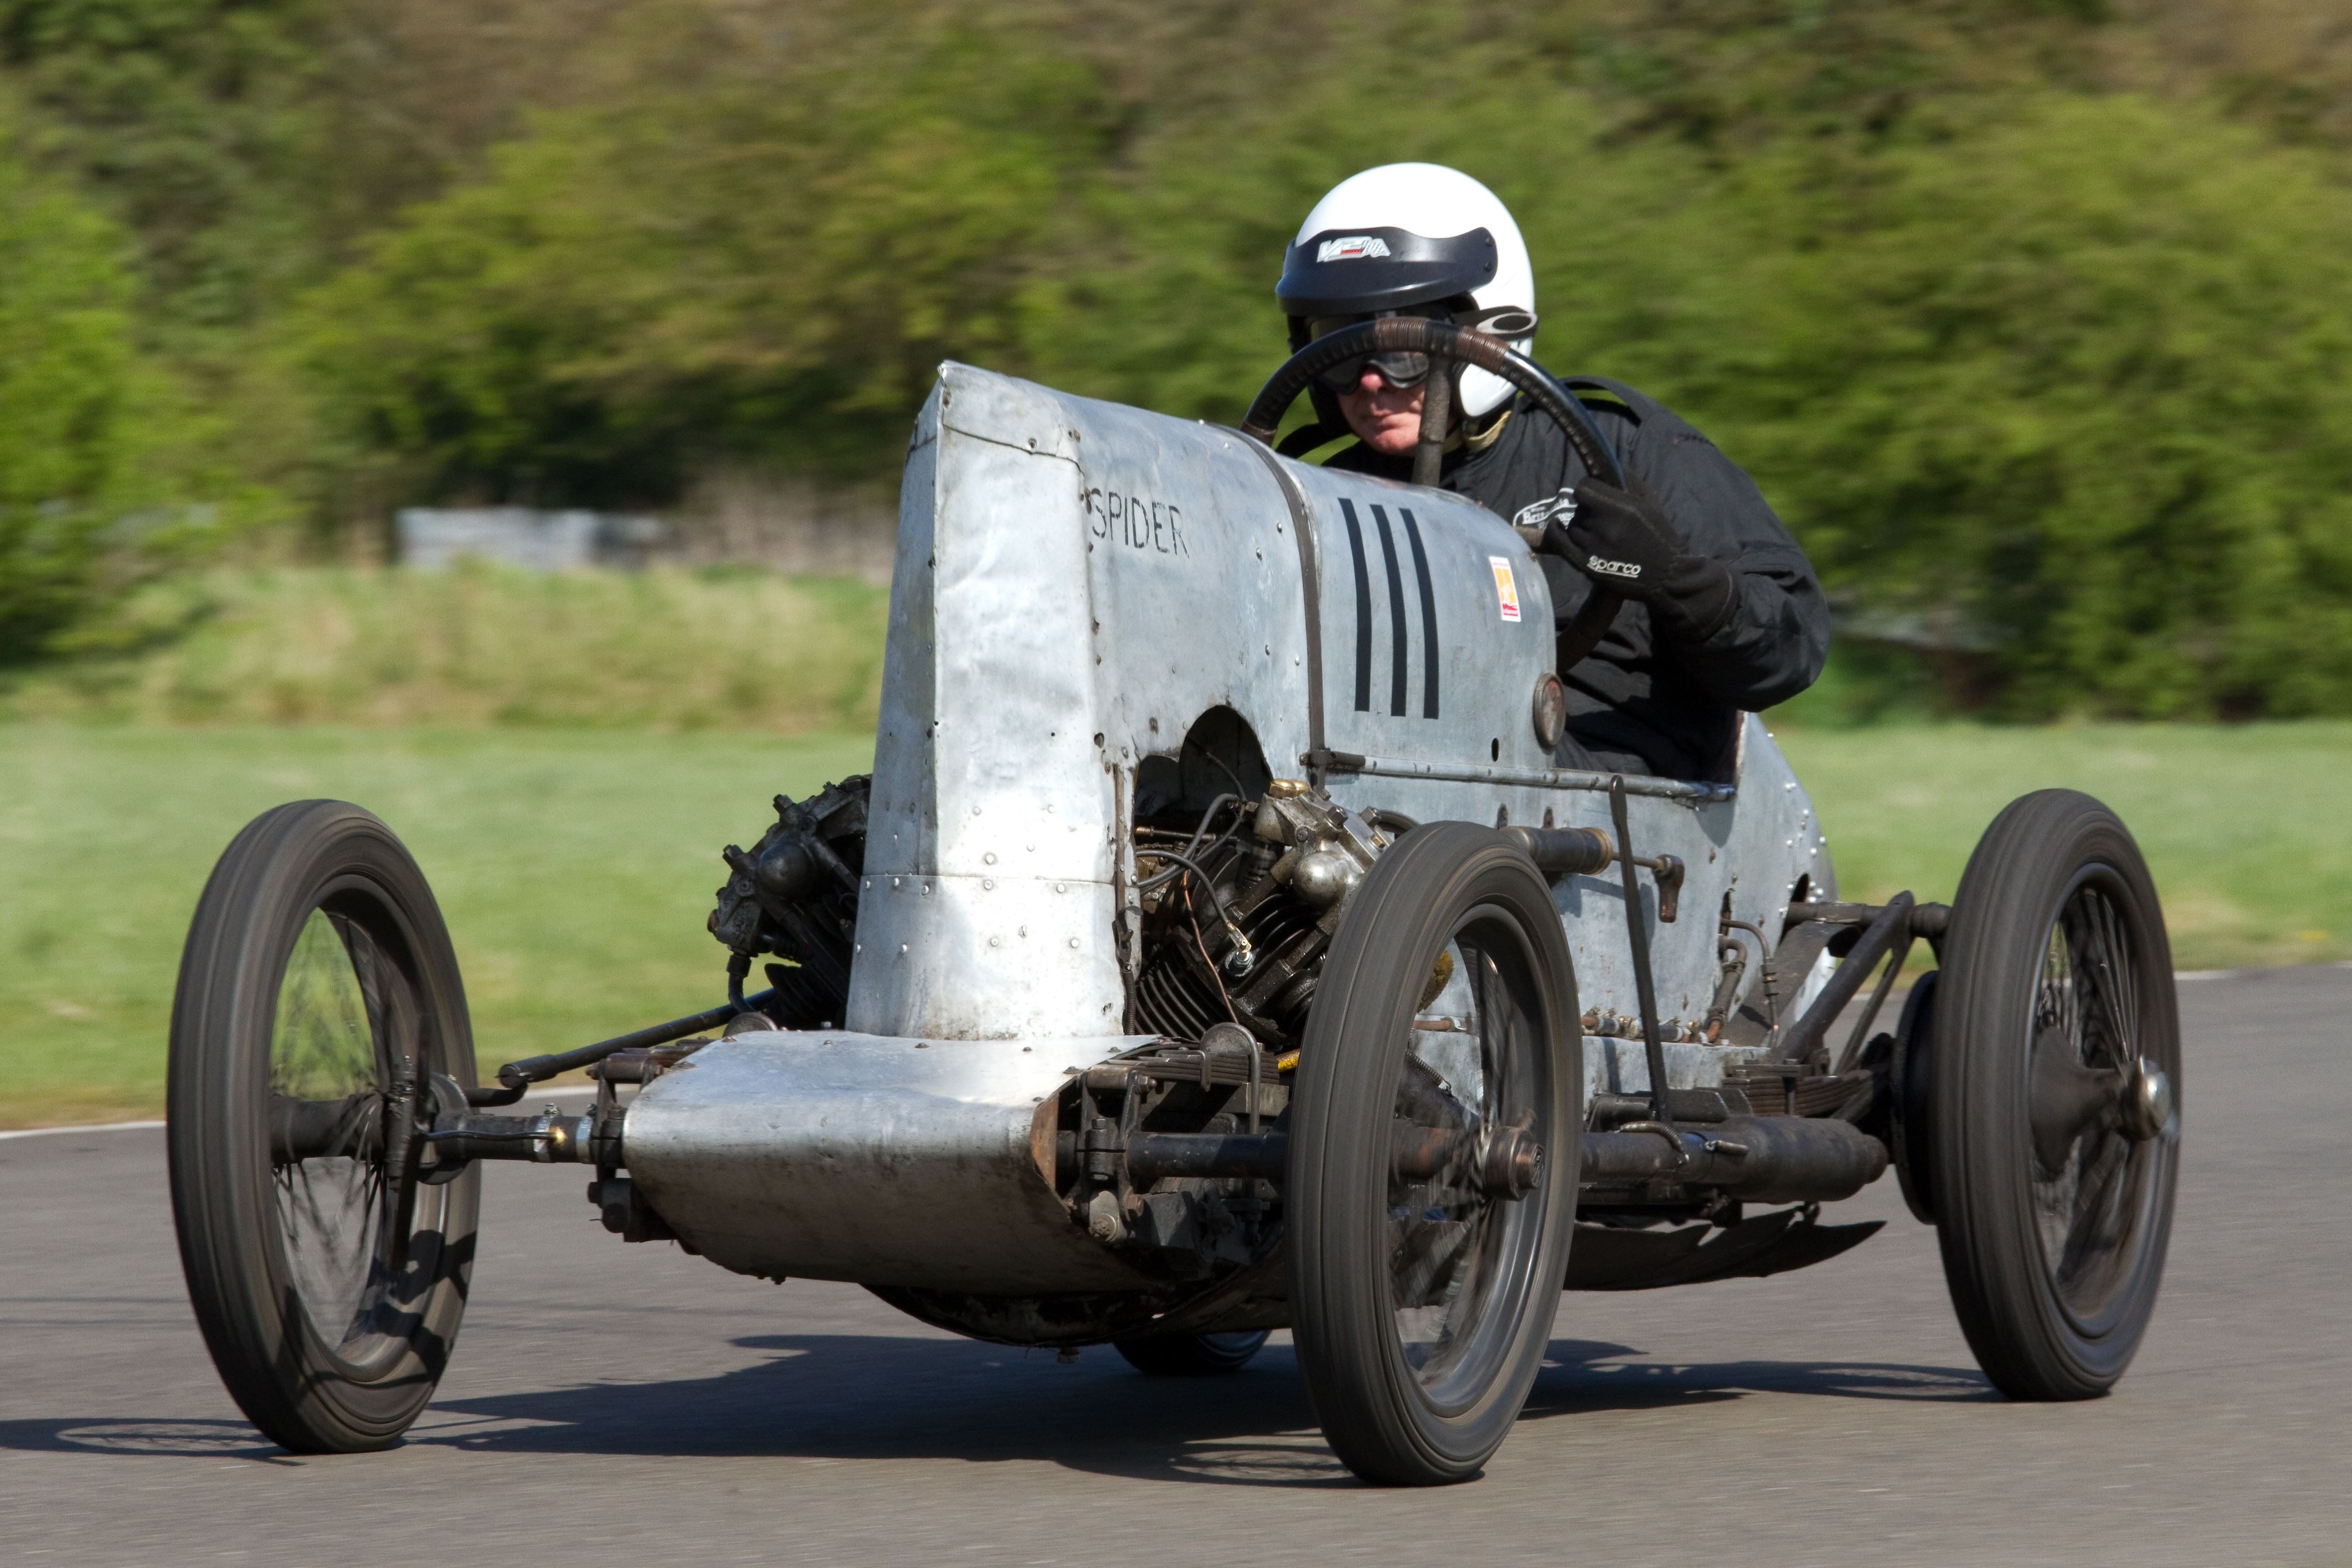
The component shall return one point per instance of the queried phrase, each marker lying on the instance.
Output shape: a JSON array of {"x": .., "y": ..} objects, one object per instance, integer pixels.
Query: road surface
[{"x": 629, "y": 1405}]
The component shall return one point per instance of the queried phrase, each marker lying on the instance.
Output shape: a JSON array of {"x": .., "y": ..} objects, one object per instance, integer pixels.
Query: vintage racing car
[{"x": 1214, "y": 948}]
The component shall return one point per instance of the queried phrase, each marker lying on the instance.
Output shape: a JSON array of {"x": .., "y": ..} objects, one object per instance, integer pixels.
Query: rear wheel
[
  {"x": 1423, "y": 1287},
  {"x": 1190, "y": 1355},
  {"x": 2054, "y": 1069},
  {"x": 319, "y": 1011}
]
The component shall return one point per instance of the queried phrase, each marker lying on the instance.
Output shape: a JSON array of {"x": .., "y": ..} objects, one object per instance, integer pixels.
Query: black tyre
[
  {"x": 1422, "y": 1302},
  {"x": 1910, "y": 1086},
  {"x": 1190, "y": 1355},
  {"x": 2054, "y": 1070},
  {"x": 319, "y": 1002}
]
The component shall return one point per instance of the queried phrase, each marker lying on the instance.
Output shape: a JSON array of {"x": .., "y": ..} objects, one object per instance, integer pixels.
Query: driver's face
[{"x": 1384, "y": 417}]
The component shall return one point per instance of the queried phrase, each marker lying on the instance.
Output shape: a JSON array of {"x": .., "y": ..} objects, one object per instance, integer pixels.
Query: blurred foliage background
[{"x": 2030, "y": 316}]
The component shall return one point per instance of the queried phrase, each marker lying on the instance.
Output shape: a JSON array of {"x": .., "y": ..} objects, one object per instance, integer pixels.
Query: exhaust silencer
[{"x": 1767, "y": 1159}]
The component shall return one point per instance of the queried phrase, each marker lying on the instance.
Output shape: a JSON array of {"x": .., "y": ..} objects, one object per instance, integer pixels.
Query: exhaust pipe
[{"x": 1767, "y": 1159}]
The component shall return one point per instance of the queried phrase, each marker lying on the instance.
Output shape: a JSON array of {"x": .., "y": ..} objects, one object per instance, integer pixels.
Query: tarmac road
[{"x": 630, "y": 1404}]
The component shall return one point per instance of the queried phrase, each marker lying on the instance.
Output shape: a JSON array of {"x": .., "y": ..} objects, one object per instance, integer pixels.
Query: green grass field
[
  {"x": 2247, "y": 828},
  {"x": 717, "y": 647},
  {"x": 575, "y": 868}
]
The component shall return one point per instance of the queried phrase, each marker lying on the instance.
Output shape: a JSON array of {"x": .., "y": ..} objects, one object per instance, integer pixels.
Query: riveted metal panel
[
  {"x": 966, "y": 952},
  {"x": 984, "y": 765}
]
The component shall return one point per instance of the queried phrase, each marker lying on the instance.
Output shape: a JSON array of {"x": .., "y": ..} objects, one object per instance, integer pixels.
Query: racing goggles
[{"x": 1409, "y": 370}]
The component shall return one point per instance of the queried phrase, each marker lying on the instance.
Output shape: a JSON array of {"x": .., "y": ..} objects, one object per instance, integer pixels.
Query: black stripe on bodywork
[
  {"x": 1399, "y": 654},
  {"x": 1428, "y": 615},
  {"x": 1363, "y": 608}
]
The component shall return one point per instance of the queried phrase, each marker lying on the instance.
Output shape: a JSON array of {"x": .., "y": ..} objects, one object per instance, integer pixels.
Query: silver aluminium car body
[{"x": 1076, "y": 583}]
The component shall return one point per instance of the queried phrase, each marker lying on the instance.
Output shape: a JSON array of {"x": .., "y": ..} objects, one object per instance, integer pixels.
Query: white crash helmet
[{"x": 1416, "y": 238}]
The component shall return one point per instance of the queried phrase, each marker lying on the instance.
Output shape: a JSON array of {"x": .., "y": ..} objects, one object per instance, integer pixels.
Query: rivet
[
  {"x": 996, "y": 942},
  {"x": 986, "y": 883},
  {"x": 902, "y": 947},
  {"x": 1074, "y": 941},
  {"x": 975, "y": 811},
  {"x": 895, "y": 880},
  {"x": 1059, "y": 888},
  {"x": 989, "y": 858}
]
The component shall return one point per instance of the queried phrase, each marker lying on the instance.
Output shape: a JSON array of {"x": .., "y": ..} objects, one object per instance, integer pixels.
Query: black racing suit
[{"x": 1634, "y": 705}]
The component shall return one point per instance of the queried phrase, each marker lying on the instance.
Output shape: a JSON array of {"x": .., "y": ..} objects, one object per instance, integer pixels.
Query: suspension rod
[{"x": 520, "y": 1075}]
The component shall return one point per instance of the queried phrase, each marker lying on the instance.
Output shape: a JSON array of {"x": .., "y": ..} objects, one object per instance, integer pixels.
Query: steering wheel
[{"x": 1449, "y": 344}]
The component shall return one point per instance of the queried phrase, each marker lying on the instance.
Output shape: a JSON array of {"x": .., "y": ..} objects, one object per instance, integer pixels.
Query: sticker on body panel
[{"x": 1507, "y": 587}]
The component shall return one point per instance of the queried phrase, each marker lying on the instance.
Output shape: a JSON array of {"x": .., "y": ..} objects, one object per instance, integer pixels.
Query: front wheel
[
  {"x": 1435, "y": 1131},
  {"x": 319, "y": 1010},
  {"x": 2054, "y": 1071}
]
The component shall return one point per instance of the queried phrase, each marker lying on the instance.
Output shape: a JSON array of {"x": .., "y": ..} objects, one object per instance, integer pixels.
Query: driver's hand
[{"x": 1623, "y": 541}]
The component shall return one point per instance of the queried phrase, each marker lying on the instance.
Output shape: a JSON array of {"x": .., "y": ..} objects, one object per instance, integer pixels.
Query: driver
[{"x": 1721, "y": 610}]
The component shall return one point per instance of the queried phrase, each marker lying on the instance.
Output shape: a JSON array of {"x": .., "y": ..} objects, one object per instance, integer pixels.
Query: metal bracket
[
  {"x": 1637, "y": 933},
  {"x": 1888, "y": 923}
]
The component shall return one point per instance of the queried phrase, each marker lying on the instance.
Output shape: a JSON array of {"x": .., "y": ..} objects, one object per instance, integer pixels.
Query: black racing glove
[{"x": 1624, "y": 541}]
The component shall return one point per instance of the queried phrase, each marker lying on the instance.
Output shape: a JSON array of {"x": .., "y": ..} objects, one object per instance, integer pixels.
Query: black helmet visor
[{"x": 1342, "y": 272}]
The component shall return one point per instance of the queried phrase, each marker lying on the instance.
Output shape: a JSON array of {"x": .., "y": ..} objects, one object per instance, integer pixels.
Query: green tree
[
  {"x": 67, "y": 368},
  {"x": 194, "y": 121},
  {"x": 2072, "y": 392},
  {"x": 767, "y": 261},
  {"x": 2047, "y": 377}
]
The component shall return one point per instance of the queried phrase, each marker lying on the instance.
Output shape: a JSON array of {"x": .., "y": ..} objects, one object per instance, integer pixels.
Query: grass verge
[
  {"x": 2248, "y": 827},
  {"x": 476, "y": 645},
  {"x": 575, "y": 868}
]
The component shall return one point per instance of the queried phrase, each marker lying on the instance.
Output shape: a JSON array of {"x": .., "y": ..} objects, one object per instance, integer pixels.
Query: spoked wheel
[
  {"x": 318, "y": 1015},
  {"x": 1434, "y": 1137},
  {"x": 2055, "y": 1067},
  {"x": 1191, "y": 1356}
]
